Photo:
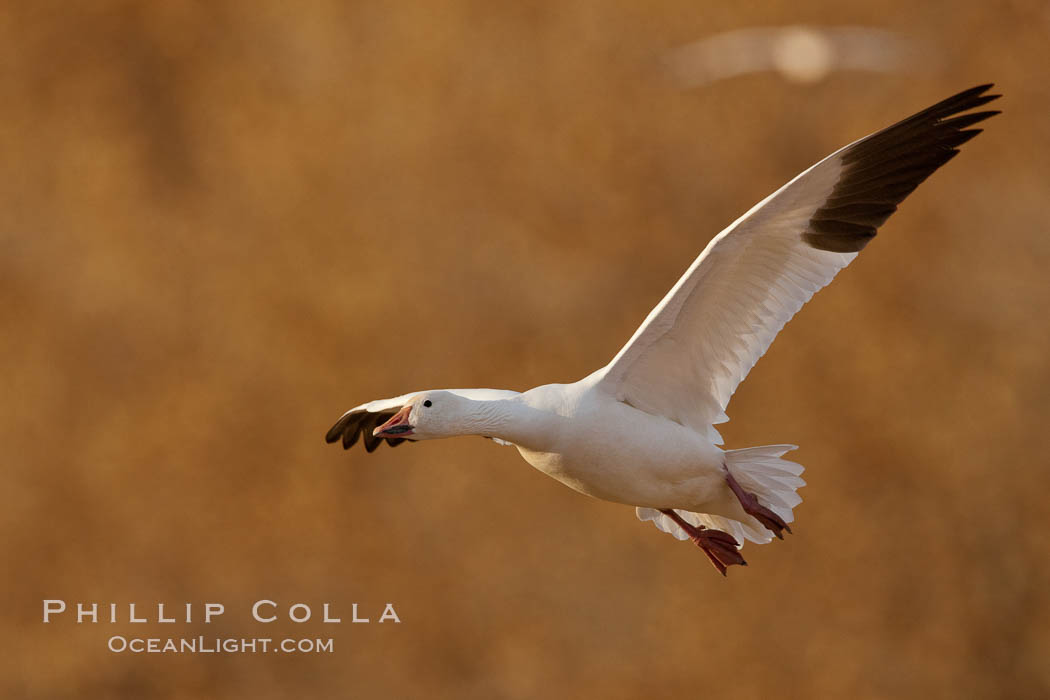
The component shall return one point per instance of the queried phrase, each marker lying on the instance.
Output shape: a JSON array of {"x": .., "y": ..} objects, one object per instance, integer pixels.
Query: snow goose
[{"x": 640, "y": 431}]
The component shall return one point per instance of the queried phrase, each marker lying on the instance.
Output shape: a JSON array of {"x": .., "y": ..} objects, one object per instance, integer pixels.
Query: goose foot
[
  {"x": 773, "y": 522},
  {"x": 720, "y": 547}
]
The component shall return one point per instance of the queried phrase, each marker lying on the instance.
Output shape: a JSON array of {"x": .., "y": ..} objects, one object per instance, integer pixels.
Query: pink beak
[{"x": 397, "y": 426}]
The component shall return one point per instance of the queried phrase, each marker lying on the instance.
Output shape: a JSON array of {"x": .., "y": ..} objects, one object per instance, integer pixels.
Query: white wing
[
  {"x": 360, "y": 421},
  {"x": 702, "y": 339}
]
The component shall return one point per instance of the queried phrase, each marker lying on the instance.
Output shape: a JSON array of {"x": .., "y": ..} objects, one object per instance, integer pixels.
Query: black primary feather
[{"x": 881, "y": 170}]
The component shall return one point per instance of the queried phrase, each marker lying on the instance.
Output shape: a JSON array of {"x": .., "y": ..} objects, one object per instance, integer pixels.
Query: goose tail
[{"x": 759, "y": 470}]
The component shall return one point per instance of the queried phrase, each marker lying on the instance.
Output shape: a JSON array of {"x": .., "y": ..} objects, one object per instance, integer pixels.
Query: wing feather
[{"x": 702, "y": 339}]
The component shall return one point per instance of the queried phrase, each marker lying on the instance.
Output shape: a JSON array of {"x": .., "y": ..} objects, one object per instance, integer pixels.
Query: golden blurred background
[{"x": 224, "y": 223}]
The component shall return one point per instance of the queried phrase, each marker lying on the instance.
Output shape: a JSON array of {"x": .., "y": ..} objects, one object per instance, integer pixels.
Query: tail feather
[
  {"x": 774, "y": 480},
  {"x": 759, "y": 470}
]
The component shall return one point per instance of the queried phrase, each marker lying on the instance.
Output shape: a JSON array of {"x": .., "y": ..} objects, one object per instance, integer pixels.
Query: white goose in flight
[{"x": 640, "y": 431}]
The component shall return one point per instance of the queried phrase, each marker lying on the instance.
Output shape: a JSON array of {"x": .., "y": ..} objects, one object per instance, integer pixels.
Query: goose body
[
  {"x": 600, "y": 446},
  {"x": 641, "y": 430}
]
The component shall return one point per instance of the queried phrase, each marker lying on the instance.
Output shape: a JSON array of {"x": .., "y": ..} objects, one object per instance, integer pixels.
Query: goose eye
[{"x": 428, "y": 403}]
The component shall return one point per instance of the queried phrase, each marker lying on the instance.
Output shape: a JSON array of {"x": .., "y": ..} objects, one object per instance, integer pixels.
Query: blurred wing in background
[
  {"x": 359, "y": 422},
  {"x": 799, "y": 53},
  {"x": 702, "y": 339}
]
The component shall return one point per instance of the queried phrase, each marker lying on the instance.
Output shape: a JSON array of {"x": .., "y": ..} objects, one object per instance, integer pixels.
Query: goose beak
[{"x": 397, "y": 426}]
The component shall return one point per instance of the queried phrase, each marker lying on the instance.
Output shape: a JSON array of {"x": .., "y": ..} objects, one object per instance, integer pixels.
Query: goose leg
[
  {"x": 773, "y": 522},
  {"x": 720, "y": 547}
]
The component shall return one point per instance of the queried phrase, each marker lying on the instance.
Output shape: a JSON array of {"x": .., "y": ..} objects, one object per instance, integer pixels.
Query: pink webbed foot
[
  {"x": 720, "y": 547},
  {"x": 772, "y": 522}
]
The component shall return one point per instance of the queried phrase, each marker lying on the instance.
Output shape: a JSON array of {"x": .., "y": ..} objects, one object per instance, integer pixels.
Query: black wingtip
[
  {"x": 974, "y": 92},
  {"x": 975, "y": 96},
  {"x": 336, "y": 431},
  {"x": 345, "y": 428},
  {"x": 882, "y": 169},
  {"x": 359, "y": 425},
  {"x": 978, "y": 101},
  {"x": 969, "y": 119}
]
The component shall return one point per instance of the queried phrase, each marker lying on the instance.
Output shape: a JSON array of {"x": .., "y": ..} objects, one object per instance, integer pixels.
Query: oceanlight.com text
[{"x": 217, "y": 645}]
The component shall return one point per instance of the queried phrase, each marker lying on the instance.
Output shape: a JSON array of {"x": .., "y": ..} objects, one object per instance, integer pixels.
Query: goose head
[{"x": 431, "y": 414}]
